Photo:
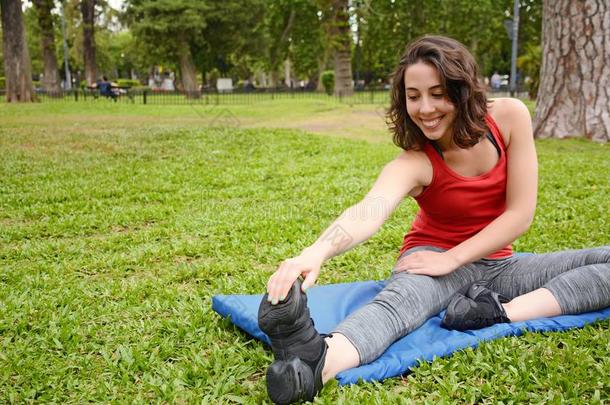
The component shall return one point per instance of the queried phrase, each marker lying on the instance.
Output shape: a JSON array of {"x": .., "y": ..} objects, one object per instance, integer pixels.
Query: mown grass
[{"x": 114, "y": 236}]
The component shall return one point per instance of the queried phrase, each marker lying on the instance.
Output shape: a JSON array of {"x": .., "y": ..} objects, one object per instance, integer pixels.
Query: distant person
[
  {"x": 496, "y": 81},
  {"x": 249, "y": 86},
  {"x": 105, "y": 88}
]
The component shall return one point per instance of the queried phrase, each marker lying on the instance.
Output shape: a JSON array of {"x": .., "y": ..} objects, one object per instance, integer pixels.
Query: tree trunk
[
  {"x": 50, "y": 80},
  {"x": 87, "y": 8},
  {"x": 343, "y": 50},
  {"x": 274, "y": 78},
  {"x": 188, "y": 72},
  {"x": 574, "y": 94},
  {"x": 287, "y": 77},
  {"x": 17, "y": 64}
]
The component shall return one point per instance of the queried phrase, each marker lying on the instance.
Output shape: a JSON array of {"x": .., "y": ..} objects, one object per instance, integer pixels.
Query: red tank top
[{"x": 454, "y": 208}]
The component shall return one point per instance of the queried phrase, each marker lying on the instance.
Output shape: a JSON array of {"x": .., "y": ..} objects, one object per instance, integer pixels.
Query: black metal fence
[{"x": 146, "y": 96}]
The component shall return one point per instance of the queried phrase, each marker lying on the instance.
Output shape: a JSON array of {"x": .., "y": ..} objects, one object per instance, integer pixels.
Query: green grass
[{"x": 118, "y": 225}]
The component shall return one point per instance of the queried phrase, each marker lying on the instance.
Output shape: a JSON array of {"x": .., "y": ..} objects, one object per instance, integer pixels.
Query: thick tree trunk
[
  {"x": 188, "y": 72},
  {"x": 17, "y": 64},
  {"x": 87, "y": 8},
  {"x": 343, "y": 50},
  {"x": 574, "y": 94},
  {"x": 50, "y": 81}
]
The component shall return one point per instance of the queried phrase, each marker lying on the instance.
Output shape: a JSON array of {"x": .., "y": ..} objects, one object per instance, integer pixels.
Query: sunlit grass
[{"x": 114, "y": 236}]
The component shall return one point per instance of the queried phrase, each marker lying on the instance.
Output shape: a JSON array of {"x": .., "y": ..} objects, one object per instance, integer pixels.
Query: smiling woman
[
  {"x": 471, "y": 166},
  {"x": 451, "y": 75}
]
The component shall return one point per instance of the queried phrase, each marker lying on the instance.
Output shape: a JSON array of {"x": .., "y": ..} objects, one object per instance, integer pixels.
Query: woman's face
[{"x": 427, "y": 102}]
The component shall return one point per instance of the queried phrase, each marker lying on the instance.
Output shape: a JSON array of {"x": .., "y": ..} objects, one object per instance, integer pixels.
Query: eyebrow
[{"x": 438, "y": 86}]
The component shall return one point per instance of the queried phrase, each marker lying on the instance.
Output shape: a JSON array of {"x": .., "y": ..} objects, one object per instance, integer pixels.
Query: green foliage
[
  {"x": 240, "y": 38},
  {"x": 529, "y": 63},
  {"x": 2, "y": 82},
  {"x": 30, "y": 21},
  {"x": 307, "y": 41},
  {"x": 117, "y": 232},
  {"x": 128, "y": 83},
  {"x": 292, "y": 29},
  {"x": 386, "y": 27},
  {"x": 328, "y": 81}
]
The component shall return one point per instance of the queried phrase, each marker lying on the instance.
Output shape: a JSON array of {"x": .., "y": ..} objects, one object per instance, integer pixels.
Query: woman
[{"x": 471, "y": 166}]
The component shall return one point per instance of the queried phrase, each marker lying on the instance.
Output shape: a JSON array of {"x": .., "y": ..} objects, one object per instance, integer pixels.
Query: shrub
[
  {"x": 128, "y": 83},
  {"x": 328, "y": 81}
]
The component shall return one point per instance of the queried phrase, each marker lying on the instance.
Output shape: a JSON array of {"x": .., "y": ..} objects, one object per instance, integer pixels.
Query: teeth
[{"x": 431, "y": 124}]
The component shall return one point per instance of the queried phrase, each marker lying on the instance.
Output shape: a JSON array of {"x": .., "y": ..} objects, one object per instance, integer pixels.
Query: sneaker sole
[
  {"x": 289, "y": 381},
  {"x": 285, "y": 313}
]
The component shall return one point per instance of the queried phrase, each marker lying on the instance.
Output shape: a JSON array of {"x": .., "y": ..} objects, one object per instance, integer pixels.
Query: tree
[
  {"x": 17, "y": 65},
  {"x": 169, "y": 30},
  {"x": 385, "y": 27},
  {"x": 280, "y": 19},
  {"x": 224, "y": 46},
  {"x": 574, "y": 96},
  {"x": 308, "y": 43},
  {"x": 87, "y": 8},
  {"x": 45, "y": 23},
  {"x": 341, "y": 39}
]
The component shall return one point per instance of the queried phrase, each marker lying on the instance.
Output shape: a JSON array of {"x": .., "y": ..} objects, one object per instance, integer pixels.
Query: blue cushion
[{"x": 329, "y": 304}]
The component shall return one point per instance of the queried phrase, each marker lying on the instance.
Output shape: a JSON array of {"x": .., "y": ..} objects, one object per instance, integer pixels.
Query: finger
[
  {"x": 310, "y": 280},
  {"x": 274, "y": 287},
  {"x": 277, "y": 281},
  {"x": 283, "y": 286}
]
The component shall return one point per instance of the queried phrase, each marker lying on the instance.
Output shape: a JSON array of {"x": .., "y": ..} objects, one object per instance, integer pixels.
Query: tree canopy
[{"x": 250, "y": 39}]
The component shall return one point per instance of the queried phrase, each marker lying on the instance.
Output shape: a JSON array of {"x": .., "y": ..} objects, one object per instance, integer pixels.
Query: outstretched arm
[
  {"x": 521, "y": 190},
  {"x": 354, "y": 226}
]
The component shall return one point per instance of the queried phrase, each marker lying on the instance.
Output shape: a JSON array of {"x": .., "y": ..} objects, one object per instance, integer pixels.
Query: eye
[
  {"x": 438, "y": 95},
  {"x": 411, "y": 98}
]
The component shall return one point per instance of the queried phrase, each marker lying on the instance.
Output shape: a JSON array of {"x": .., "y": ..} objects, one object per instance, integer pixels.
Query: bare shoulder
[
  {"x": 512, "y": 117},
  {"x": 416, "y": 164},
  {"x": 414, "y": 159}
]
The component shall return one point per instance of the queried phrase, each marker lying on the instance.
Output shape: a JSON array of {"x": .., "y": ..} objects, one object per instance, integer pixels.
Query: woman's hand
[
  {"x": 289, "y": 270},
  {"x": 427, "y": 262}
]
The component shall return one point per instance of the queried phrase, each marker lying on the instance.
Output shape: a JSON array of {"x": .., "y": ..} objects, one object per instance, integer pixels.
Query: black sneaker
[
  {"x": 479, "y": 308},
  {"x": 295, "y": 380},
  {"x": 299, "y": 350}
]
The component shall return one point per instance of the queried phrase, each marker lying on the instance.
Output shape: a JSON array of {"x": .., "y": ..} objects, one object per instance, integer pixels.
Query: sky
[{"x": 116, "y": 4}]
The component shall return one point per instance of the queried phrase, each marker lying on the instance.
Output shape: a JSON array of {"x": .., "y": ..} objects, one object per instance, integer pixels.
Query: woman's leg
[
  {"x": 568, "y": 282},
  {"x": 405, "y": 303},
  {"x": 340, "y": 355}
]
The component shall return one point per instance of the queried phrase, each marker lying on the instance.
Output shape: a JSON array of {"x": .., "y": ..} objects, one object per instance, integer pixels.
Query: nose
[{"x": 426, "y": 106}]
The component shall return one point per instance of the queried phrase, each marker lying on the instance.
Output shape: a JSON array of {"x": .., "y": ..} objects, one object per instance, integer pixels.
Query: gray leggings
[{"x": 578, "y": 279}]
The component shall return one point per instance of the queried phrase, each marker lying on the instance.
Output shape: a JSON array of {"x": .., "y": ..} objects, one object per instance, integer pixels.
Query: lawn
[{"x": 120, "y": 222}]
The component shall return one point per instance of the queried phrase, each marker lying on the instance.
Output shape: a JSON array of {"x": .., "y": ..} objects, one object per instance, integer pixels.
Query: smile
[{"x": 431, "y": 124}]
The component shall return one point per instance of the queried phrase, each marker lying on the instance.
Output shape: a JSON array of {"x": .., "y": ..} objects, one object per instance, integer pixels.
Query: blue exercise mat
[{"x": 330, "y": 304}]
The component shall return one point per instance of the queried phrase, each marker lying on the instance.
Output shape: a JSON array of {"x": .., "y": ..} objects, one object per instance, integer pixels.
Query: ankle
[
  {"x": 508, "y": 309},
  {"x": 341, "y": 355}
]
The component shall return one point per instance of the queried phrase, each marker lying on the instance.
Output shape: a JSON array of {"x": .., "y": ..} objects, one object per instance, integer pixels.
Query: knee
[{"x": 599, "y": 255}]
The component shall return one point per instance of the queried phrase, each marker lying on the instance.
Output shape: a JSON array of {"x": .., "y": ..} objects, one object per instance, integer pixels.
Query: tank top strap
[{"x": 495, "y": 132}]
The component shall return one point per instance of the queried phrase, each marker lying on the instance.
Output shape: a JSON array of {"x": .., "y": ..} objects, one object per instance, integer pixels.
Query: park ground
[{"x": 120, "y": 222}]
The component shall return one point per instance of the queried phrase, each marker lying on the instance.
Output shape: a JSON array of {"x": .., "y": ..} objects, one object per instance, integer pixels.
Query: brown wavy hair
[{"x": 459, "y": 74}]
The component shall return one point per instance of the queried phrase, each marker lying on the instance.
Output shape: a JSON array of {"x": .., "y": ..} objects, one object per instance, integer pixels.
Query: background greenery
[
  {"x": 243, "y": 38},
  {"x": 119, "y": 223}
]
